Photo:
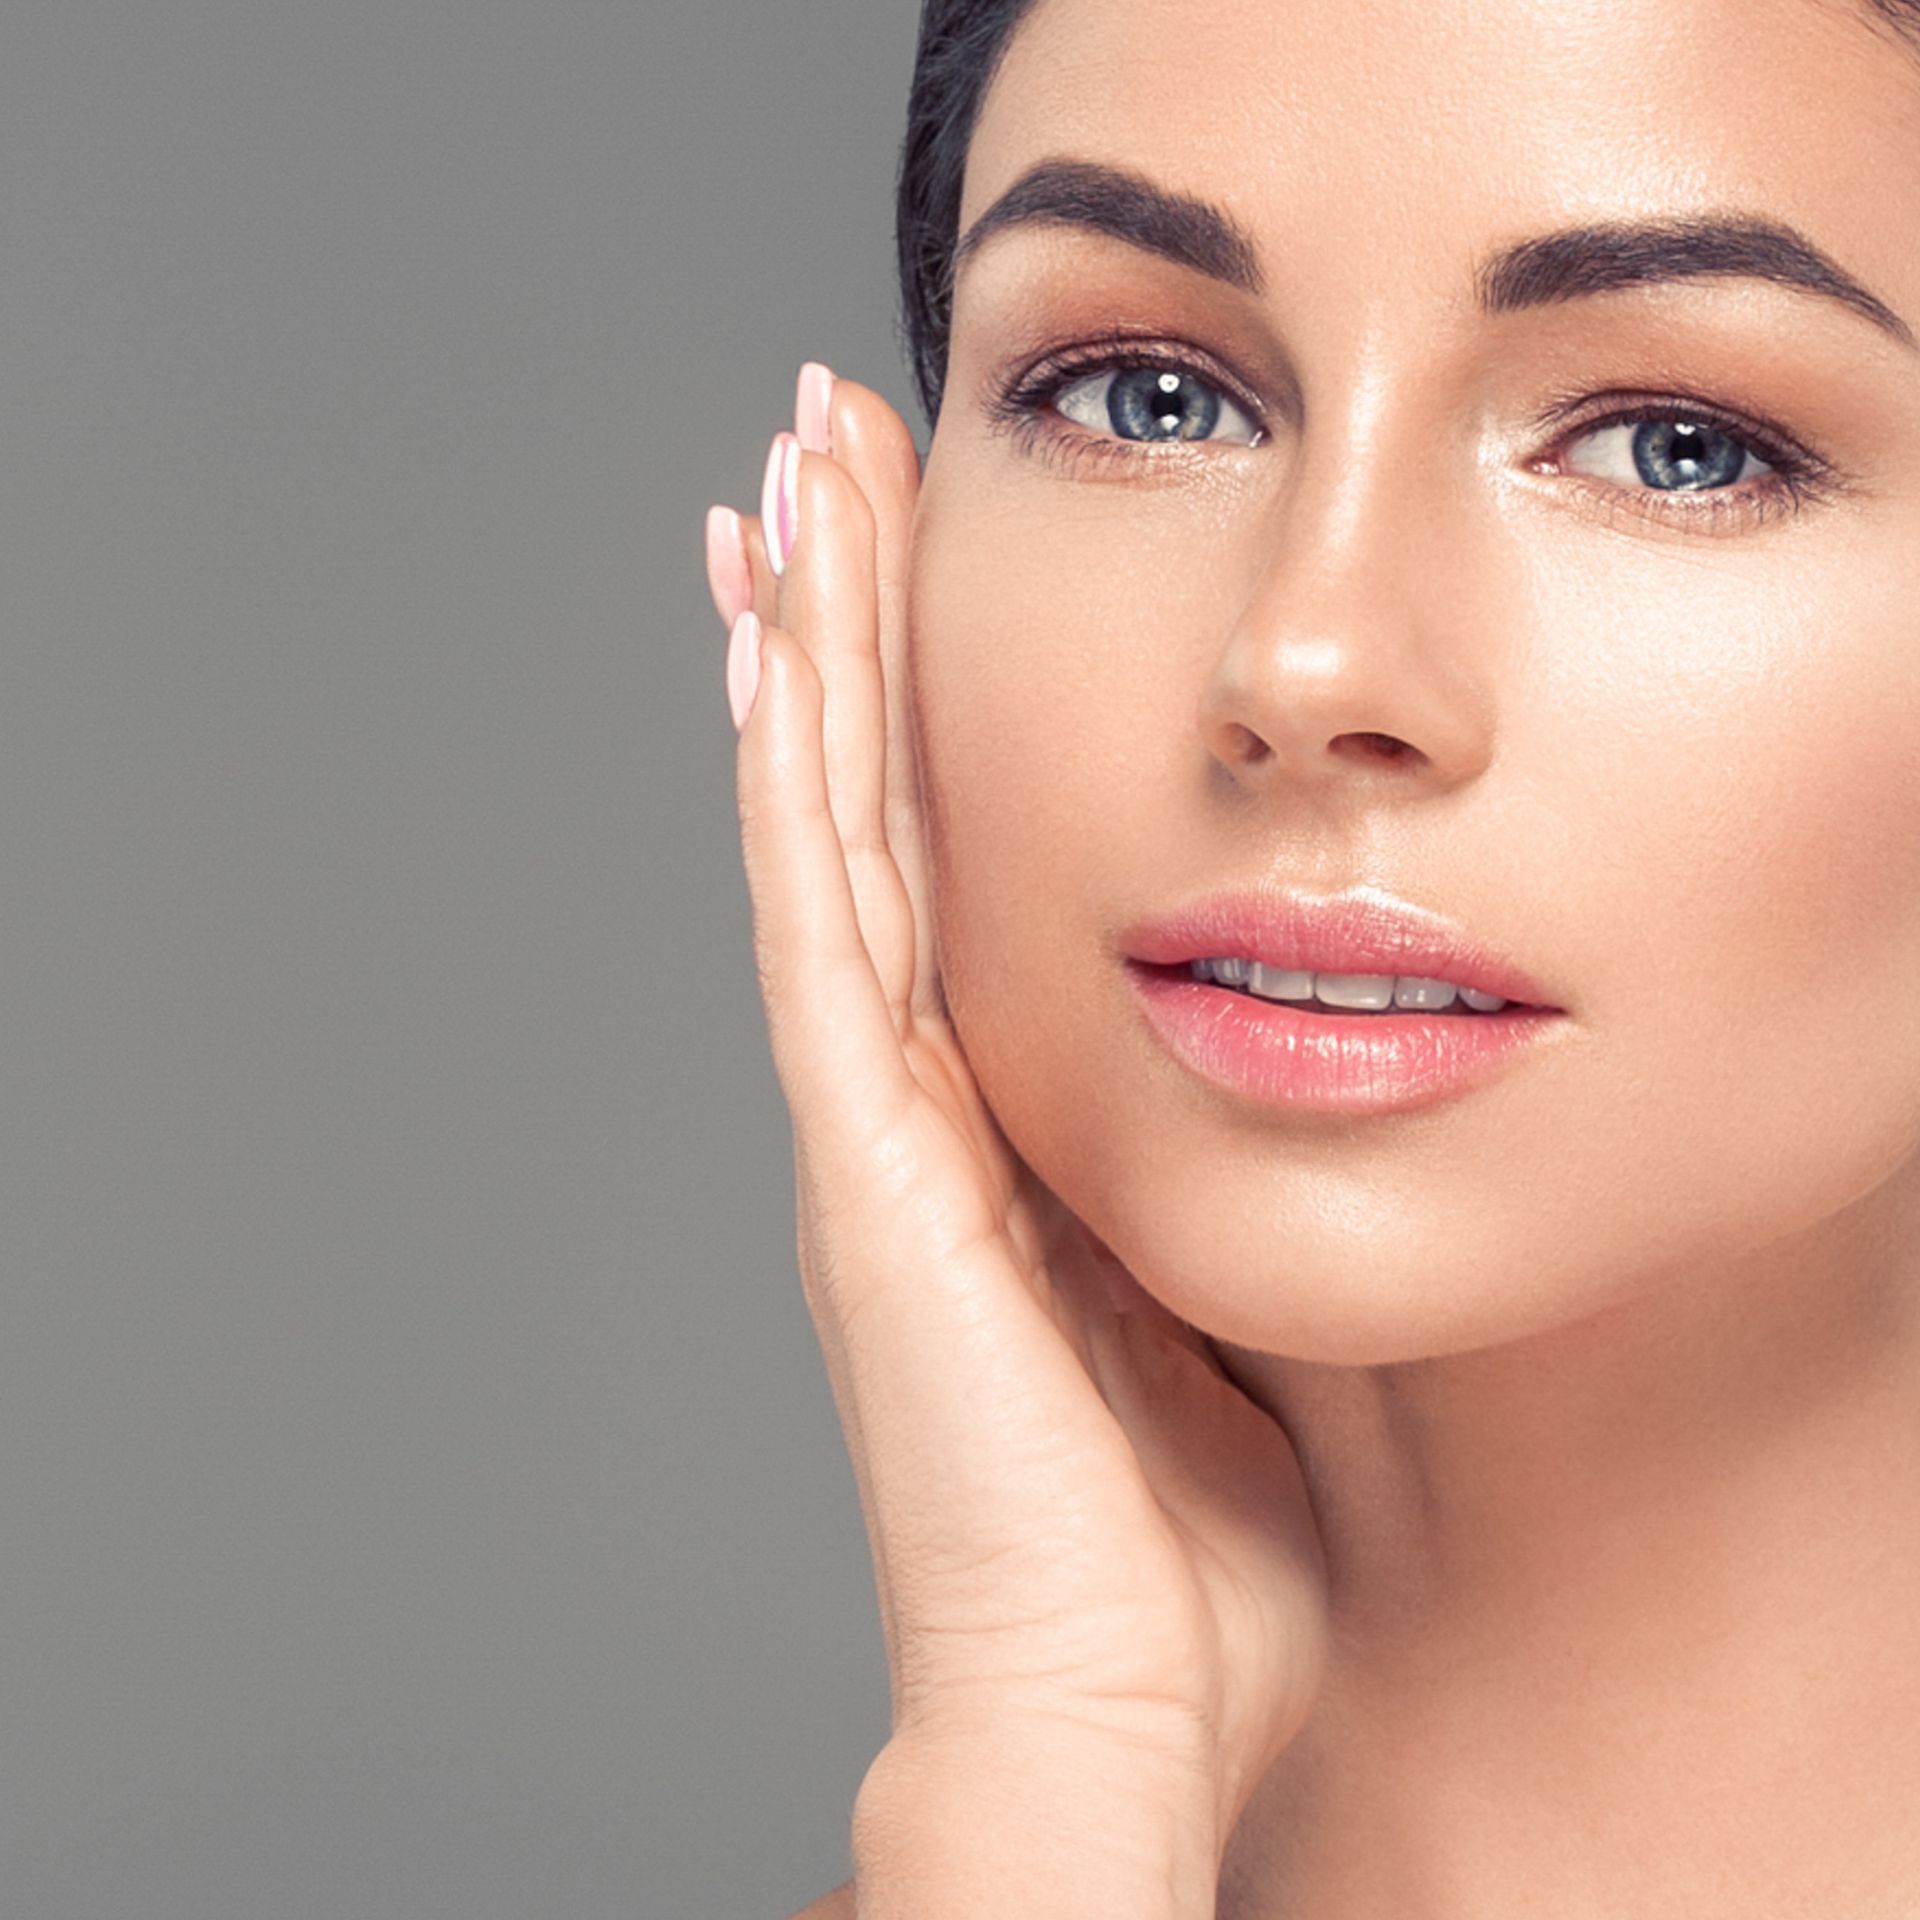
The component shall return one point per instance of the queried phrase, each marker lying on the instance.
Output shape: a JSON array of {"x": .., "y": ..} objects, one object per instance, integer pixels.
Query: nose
[{"x": 1353, "y": 668}]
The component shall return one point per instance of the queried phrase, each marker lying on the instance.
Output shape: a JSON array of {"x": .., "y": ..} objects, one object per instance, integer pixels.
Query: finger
[
  {"x": 1213, "y": 1457},
  {"x": 876, "y": 447},
  {"x": 1091, "y": 1284},
  {"x": 828, "y": 601},
  {"x": 834, "y": 1044}
]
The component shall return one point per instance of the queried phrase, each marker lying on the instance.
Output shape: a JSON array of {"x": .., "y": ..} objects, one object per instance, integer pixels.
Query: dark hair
[{"x": 961, "y": 46}]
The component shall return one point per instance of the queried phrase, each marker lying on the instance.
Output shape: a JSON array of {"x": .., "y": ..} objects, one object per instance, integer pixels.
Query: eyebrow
[
  {"x": 1597, "y": 259},
  {"x": 1546, "y": 270},
  {"x": 1081, "y": 193}
]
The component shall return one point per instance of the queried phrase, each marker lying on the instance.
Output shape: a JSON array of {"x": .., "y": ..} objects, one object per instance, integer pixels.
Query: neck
[{"x": 1627, "y": 1615}]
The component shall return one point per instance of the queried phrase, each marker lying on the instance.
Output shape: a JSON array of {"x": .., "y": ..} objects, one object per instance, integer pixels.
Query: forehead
[{"x": 1342, "y": 133}]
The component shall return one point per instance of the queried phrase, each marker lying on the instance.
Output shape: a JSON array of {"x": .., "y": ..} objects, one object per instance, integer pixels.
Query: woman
[{"x": 1337, "y": 889}]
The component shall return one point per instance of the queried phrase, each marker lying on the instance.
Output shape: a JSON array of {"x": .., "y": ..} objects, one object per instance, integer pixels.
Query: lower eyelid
[{"x": 1697, "y": 510}]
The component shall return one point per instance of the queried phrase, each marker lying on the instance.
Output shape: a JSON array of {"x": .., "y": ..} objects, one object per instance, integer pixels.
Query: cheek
[
  {"x": 1047, "y": 690},
  {"x": 1055, "y": 700},
  {"x": 1736, "y": 805}
]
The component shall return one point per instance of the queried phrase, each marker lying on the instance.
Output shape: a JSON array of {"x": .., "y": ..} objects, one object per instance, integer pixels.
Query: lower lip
[{"x": 1295, "y": 1057}]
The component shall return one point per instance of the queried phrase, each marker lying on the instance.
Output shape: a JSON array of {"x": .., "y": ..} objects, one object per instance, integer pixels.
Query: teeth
[
  {"x": 1281, "y": 983},
  {"x": 1369, "y": 992},
  {"x": 1360, "y": 992}
]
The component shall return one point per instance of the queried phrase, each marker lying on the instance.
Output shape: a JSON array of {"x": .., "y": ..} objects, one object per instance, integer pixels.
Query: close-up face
[{"x": 1568, "y": 596}]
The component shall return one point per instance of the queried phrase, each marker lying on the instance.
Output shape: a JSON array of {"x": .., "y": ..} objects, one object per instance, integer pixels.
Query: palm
[{"x": 1155, "y": 1526}]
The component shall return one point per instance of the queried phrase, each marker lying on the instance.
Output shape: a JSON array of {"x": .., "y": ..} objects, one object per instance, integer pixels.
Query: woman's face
[{"x": 1656, "y": 685}]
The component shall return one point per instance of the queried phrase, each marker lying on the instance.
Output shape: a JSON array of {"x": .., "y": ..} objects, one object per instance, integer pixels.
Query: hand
[{"x": 1081, "y": 1528}]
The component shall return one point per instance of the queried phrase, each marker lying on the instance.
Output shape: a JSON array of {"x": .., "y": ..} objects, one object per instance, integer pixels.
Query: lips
[{"x": 1362, "y": 930}]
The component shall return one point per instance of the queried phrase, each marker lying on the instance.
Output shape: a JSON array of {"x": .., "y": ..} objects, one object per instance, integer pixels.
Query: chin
[
  {"x": 1345, "y": 1268},
  {"x": 1346, "y": 1310}
]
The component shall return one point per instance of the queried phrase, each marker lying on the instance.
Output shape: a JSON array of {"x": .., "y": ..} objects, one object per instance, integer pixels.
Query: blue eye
[
  {"x": 1674, "y": 455},
  {"x": 1153, "y": 403}
]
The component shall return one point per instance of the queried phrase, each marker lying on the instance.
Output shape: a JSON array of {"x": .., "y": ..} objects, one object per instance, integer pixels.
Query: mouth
[{"x": 1357, "y": 1004}]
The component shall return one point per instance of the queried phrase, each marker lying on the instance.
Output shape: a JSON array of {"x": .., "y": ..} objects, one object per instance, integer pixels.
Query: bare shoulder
[{"x": 837, "y": 1905}]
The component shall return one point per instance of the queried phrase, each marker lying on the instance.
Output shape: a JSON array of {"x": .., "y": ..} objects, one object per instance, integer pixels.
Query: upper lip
[{"x": 1362, "y": 930}]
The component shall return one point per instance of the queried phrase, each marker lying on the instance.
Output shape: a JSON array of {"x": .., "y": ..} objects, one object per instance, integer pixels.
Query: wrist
[{"x": 1047, "y": 1825}]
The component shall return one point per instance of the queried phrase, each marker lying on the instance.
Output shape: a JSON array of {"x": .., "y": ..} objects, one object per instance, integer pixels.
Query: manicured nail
[
  {"x": 743, "y": 666},
  {"x": 780, "y": 501},
  {"x": 729, "y": 578},
  {"x": 813, "y": 408}
]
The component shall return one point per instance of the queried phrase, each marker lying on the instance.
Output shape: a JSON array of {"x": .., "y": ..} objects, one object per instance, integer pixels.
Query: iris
[
  {"x": 1151, "y": 403},
  {"x": 1675, "y": 454}
]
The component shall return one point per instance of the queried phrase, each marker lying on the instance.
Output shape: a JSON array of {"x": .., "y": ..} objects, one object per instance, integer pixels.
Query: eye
[
  {"x": 1669, "y": 454},
  {"x": 1685, "y": 463},
  {"x": 1153, "y": 403}
]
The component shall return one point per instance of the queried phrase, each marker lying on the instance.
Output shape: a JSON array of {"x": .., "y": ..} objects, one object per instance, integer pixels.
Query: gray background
[{"x": 420, "y": 1492}]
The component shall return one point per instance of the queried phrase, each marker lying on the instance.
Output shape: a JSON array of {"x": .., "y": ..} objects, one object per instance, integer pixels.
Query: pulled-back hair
[{"x": 961, "y": 46}]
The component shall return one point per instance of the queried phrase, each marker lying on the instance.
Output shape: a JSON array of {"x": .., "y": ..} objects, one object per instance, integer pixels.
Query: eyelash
[{"x": 1024, "y": 409}]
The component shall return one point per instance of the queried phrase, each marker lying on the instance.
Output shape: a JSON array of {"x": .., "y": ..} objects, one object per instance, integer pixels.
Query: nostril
[
  {"x": 1383, "y": 744},
  {"x": 1246, "y": 745}
]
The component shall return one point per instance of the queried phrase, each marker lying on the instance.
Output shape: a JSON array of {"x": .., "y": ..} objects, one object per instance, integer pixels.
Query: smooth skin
[{"x": 1513, "y": 1507}]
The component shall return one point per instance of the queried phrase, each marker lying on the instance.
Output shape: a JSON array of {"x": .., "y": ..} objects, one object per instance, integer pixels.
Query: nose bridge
[
  {"x": 1343, "y": 473},
  {"x": 1331, "y": 539},
  {"x": 1348, "y": 650}
]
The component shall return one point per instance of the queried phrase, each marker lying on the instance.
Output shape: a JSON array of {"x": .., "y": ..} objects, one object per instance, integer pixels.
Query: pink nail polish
[
  {"x": 780, "y": 501},
  {"x": 729, "y": 578},
  {"x": 813, "y": 408},
  {"x": 743, "y": 667}
]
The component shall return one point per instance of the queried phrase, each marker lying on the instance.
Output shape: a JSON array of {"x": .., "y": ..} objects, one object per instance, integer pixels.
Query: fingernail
[
  {"x": 729, "y": 578},
  {"x": 780, "y": 501},
  {"x": 813, "y": 408},
  {"x": 743, "y": 666}
]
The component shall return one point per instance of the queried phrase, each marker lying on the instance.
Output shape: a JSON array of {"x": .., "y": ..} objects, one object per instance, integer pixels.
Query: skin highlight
[{"x": 1602, "y": 1377}]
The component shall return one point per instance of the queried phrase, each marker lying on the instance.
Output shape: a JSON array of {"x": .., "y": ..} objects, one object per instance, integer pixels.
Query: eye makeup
[{"x": 1025, "y": 405}]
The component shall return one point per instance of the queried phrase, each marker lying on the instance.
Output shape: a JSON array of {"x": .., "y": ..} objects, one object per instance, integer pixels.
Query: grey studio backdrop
[{"x": 420, "y": 1491}]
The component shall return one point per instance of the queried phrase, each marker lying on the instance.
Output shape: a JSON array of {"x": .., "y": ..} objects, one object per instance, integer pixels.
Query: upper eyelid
[{"x": 1589, "y": 412}]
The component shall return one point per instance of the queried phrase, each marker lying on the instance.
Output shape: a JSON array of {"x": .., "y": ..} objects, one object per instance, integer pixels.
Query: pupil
[
  {"x": 1678, "y": 455},
  {"x": 1145, "y": 403}
]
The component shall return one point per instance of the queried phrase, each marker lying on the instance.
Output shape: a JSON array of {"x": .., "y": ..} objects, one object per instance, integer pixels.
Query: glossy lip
[
  {"x": 1363, "y": 930},
  {"x": 1309, "y": 1059}
]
